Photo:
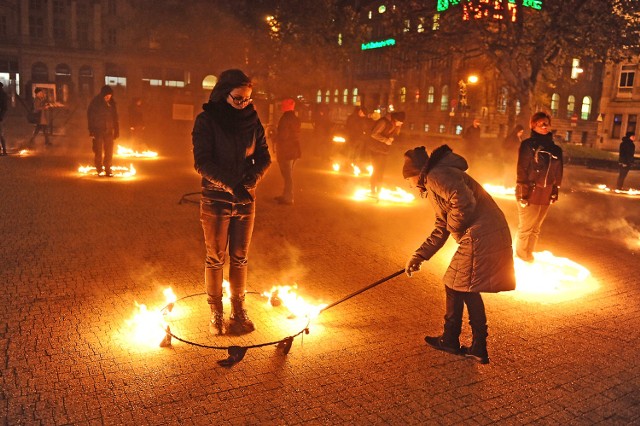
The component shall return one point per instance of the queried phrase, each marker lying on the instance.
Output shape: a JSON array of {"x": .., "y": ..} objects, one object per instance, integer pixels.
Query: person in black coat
[
  {"x": 287, "y": 148},
  {"x": 231, "y": 154},
  {"x": 538, "y": 179},
  {"x": 102, "y": 116},
  {"x": 626, "y": 158}
]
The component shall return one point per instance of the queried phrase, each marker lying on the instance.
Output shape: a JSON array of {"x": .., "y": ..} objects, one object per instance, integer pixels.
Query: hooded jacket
[
  {"x": 540, "y": 168},
  {"x": 287, "y": 141},
  {"x": 102, "y": 117},
  {"x": 627, "y": 152},
  {"x": 463, "y": 209},
  {"x": 230, "y": 152}
]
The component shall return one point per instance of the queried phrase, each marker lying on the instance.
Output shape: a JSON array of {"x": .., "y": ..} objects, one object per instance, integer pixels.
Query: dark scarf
[
  {"x": 232, "y": 120},
  {"x": 544, "y": 141}
]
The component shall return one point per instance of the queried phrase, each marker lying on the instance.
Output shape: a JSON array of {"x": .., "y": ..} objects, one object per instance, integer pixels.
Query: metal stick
[{"x": 362, "y": 290}]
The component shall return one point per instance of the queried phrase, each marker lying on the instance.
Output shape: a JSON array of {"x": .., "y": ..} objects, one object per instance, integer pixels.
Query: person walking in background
[
  {"x": 287, "y": 148},
  {"x": 538, "y": 180},
  {"x": 626, "y": 158},
  {"x": 471, "y": 138},
  {"x": 102, "y": 116},
  {"x": 41, "y": 107},
  {"x": 357, "y": 128},
  {"x": 136, "y": 121},
  {"x": 231, "y": 154},
  {"x": 483, "y": 261},
  {"x": 4, "y": 106},
  {"x": 382, "y": 136}
]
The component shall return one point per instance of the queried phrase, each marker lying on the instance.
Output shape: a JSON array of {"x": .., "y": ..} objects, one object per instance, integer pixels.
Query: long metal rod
[{"x": 362, "y": 290}]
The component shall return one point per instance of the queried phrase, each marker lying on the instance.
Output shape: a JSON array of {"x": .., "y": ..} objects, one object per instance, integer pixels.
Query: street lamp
[{"x": 464, "y": 105}]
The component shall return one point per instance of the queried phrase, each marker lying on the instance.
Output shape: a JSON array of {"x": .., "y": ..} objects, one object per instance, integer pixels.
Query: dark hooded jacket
[
  {"x": 288, "y": 137},
  {"x": 540, "y": 168},
  {"x": 230, "y": 152},
  {"x": 102, "y": 117},
  {"x": 463, "y": 209},
  {"x": 627, "y": 151}
]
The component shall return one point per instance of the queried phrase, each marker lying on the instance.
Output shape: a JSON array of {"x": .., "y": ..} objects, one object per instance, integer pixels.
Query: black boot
[
  {"x": 442, "y": 343},
  {"x": 216, "y": 322},
  {"x": 239, "y": 322},
  {"x": 478, "y": 351},
  {"x": 213, "y": 285}
]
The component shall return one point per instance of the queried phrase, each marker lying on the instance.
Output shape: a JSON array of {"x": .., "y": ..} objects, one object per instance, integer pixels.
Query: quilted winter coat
[{"x": 463, "y": 209}]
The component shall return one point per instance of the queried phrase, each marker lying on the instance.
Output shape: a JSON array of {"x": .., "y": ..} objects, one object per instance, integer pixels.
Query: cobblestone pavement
[{"x": 77, "y": 253}]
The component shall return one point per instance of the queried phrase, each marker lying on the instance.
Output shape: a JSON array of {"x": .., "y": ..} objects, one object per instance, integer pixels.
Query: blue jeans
[{"x": 227, "y": 226}]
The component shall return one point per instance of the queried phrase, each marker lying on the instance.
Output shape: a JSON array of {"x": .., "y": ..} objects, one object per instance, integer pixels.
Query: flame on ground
[
  {"x": 629, "y": 191},
  {"x": 499, "y": 191},
  {"x": 24, "y": 152},
  {"x": 551, "y": 279},
  {"x": 120, "y": 171},
  {"x": 356, "y": 170},
  {"x": 128, "y": 152},
  {"x": 398, "y": 195},
  {"x": 147, "y": 326},
  {"x": 287, "y": 296}
]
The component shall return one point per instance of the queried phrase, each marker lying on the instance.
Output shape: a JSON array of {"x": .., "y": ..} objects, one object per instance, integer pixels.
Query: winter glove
[
  {"x": 522, "y": 194},
  {"x": 413, "y": 264},
  {"x": 249, "y": 181},
  {"x": 242, "y": 195},
  {"x": 554, "y": 194}
]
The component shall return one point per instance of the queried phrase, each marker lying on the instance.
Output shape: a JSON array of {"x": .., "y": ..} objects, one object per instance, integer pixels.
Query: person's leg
[
  {"x": 478, "y": 322},
  {"x": 108, "y": 155},
  {"x": 449, "y": 341},
  {"x": 36, "y": 130},
  {"x": 286, "y": 170},
  {"x": 527, "y": 218},
  {"x": 215, "y": 218},
  {"x": 97, "y": 153},
  {"x": 240, "y": 232},
  {"x": 375, "y": 176},
  {"x": 3, "y": 142},
  {"x": 622, "y": 175},
  {"x": 536, "y": 226}
]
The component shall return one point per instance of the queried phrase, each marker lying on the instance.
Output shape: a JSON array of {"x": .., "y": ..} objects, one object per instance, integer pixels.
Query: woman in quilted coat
[{"x": 484, "y": 259}]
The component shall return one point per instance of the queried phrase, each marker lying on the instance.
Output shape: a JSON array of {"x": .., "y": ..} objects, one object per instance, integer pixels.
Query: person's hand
[
  {"x": 522, "y": 194},
  {"x": 389, "y": 141},
  {"x": 242, "y": 195},
  {"x": 554, "y": 194},
  {"x": 249, "y": 181},
  {"x": 413, "y": 264},
  {"x": 523, "y": 202}
]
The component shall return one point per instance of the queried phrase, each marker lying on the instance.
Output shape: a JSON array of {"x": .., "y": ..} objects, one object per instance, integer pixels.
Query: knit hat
[
  {"x": 287, "y": 105},
  {"x": 398, "y": 116},
  {"x": 106, "y": 90},
  {"x": 414, "y": 161}
]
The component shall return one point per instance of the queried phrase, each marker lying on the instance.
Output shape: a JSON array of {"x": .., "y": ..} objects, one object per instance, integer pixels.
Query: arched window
[
  {"x": 336, "y": 96},
  {"x": 431, "y": 95},
  {"x": 502, "y": 100},
  {"x": 345, "y": 96},
  {"x": 586, "y": 108},
  {"x": 327, "y": 96},
  {"x": 319, "y": 96},
  {"x": 571, "y": 106},
  {"x": 209, "y": 82},
  {"x": 555, "y": 104},
  {"x": 354, "y": 94},
  {"x": 444, "y": 99},
  {"x": 403, "y": 95},
  {"x": 518, "y": 107}
]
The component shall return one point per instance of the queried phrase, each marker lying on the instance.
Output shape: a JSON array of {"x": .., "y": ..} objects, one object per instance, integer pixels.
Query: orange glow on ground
[
  {"x": 128, "y": 153},
  {"x": 551, "y": 279},
  {"x": 147, "y": 326},
  {"x": 398, "y": 195},
  {"x": 287, "y": 296},
  {"x": 629, "y": 191},
  {"x": 500, "y": 191},
  {"x": 119, "y": 171}
]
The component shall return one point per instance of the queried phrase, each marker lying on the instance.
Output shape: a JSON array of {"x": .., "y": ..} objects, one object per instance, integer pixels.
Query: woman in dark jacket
[
  {"x": 231, "y": 154},
  {"x": 539, "y": 175},
  {"x": 484, "y": 259},
  {"x": 626, "y": 158},
  {"x": 287, "y": 147}
]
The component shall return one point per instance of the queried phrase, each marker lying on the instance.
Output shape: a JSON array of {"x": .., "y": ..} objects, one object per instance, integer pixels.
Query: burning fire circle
[{"x": 187, "y": 320}]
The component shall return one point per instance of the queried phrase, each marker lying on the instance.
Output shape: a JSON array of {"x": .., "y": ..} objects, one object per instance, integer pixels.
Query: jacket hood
[{"x": 445, "y": 157}]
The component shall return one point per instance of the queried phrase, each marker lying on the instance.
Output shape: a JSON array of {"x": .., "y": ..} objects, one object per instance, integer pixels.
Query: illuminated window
[
  {"x": 174, "y": 78},
  {"x": 345, "y": 96},
  {"x": 459, "y": 129},
  {"x": 327, "y": 96},
  {"x": 382, "y": 8},
  {"x": 431, "y": 95},
  {"x": 518, "y": 107},
  {"x": 420, "y": 27},
  {"x": 319, "y": 97},
  {"x": 435, "y": 25},
  {"x": 340, "y": 39},
  {"x": 209, "y": 82},
  {"x": 354, "y": 94},
  {"x": 416, "y": 97},
  {"x": 153, "y": 76},
  {"x": 586, "y": 108},
  {"x": 502, "y": 100},
  {"x": 407, "y": 26},
  {"x": 571, "y": 106},
  {"x": 336, "y": 96},
  {"x": 555, "y": 104},
  {"x": 441, "y": 128},
  {"x": 403, "y": 94},
  {"x": 370, "y": 14},
  {"x": 444, "y": 98},
  {"x": 575, "y": 68},
  {"x": 426, "y": 128},
  {"x": 115, "y": 75}
]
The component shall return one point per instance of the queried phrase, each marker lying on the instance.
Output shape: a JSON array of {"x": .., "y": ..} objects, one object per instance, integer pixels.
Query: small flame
[
  {"x": 398, "y": 195},
  {"x": 120, "y": 171},
  {"x": 629, "y": 191},
  {"x": 24, "y": 152},
  {"x": 552, "y": 279},
  {"x": 356, "y": 170},
  {"x": 286, "y": 295},
  {"x": 339, "y": 139},
  {"x": 336, "y": 167},
  {"x": 128, "y": 152},
  {"x": 147, "y": 326},
  {"x": 499, "y": 190}
]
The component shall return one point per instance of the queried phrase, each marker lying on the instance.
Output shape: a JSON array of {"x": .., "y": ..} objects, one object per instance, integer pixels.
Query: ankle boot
[
  {"x": 216, "y": 322},
  {"x": 239, "y": 322},
  {"x": 478, "y": 351},
  {"x": 442, "y": 343}
]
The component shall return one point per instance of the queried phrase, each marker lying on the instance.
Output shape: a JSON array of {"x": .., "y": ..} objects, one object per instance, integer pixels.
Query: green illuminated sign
[
  {"x": 378, "y": 44},
  {"x": 446, "y": 4}
]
